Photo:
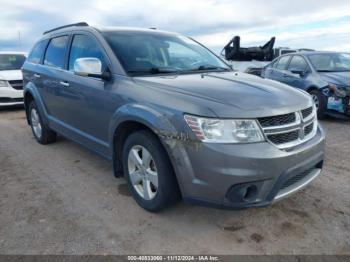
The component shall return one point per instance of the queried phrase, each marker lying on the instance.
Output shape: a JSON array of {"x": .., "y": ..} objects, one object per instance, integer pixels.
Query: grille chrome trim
[{"x": 299, "y": 124}]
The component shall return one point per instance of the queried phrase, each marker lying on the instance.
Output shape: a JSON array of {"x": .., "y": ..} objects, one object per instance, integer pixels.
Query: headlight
[
  {"x": 225, "y": 130},
  {"x": 3, "y": 83}
]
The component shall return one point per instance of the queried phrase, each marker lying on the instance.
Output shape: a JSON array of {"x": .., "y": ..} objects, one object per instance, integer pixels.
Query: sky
[{"x": 320, "y": 25}]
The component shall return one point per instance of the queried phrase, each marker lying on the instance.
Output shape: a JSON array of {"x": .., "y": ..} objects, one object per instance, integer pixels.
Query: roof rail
[{"x": 57, "y": 28}]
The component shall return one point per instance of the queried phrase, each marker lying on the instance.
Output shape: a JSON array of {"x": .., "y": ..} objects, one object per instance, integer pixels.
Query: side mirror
[
  {"x": 297, "y": 71},
  {"x": 90, "y": 66}
]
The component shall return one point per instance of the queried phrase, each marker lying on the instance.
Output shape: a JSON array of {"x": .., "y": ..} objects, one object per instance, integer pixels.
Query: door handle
[
  {"x": 37, "y": 75},
  {"x": 64, "y": 83},
  {"x": 285, "y": 75}
]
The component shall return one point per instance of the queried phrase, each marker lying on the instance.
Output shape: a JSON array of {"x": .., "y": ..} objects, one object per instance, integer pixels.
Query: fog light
[{"x": 243, "y": 193}]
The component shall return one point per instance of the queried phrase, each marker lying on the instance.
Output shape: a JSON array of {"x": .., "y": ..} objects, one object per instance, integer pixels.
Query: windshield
[
  {"x": 144, "y": 53},
  {"x": 11, "y": 62},
  {"x": 331, "y": 62}
]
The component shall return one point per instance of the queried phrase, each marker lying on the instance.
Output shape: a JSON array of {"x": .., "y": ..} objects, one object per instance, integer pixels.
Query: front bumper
[
  {"x": 245, "y": 175},
  {"x": 10, "y": 96}
]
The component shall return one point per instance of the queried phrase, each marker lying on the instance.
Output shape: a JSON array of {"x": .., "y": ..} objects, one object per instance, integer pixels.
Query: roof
[
  {"x": 319, "y": 52},
  {"x": 83, "y": 26},
  {"x": 134, "y": 30}
]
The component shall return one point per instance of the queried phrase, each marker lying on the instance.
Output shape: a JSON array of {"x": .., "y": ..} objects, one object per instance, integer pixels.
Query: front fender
[{"x": 158, "y": 120}]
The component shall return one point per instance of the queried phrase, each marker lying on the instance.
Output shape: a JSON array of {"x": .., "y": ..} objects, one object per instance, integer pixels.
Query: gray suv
[{"x": 174, "y": 119}]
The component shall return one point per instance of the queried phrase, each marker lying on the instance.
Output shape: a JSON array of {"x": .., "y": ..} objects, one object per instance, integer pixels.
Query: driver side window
[{"x": 85, "y": 46}]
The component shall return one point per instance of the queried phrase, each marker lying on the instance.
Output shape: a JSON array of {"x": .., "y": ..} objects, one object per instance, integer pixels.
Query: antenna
[{"x": 19, "y": 39}]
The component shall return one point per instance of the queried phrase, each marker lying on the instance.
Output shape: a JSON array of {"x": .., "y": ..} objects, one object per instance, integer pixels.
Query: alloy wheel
[
  {"x": 316, "y": 101},
  {"x": 35, "y": 121},
  {"x": 143, "y": 172}
]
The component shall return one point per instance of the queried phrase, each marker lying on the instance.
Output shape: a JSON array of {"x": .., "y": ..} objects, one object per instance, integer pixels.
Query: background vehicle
[
  {"x": 11, "y": 80},
  {"x": 325, "y": 75},
  {"x": 174, "y": 118}
]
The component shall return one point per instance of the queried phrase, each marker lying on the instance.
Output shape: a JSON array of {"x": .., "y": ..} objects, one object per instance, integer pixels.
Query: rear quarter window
[{"x": 37, "y": 52}]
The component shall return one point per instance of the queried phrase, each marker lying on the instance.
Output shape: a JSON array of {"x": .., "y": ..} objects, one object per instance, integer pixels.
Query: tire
[
  {"x": 322, "y": 103},
  {"x": 42, "y": 134},
  {"x": 140, "y": 177}
]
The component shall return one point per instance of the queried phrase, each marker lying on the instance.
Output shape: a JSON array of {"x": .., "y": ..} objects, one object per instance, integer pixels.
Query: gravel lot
[{"x": 63, "y": 199}]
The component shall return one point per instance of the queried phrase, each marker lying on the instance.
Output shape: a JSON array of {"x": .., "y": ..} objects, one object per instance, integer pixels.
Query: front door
[{"x": 89, "y": 104}]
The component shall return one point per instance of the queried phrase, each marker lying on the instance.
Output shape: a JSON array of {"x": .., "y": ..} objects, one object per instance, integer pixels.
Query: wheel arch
[
  {"x": 28, "y": 98},
  {"x": 311, "y": 88},
  {"x": 30, "y": 94},
  {"x": 130, "y": 118}
]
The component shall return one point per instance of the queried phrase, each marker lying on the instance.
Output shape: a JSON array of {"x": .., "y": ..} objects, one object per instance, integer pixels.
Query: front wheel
[
  {"x": 148, "y": 171},
  {"x": 320, "y": 102}
]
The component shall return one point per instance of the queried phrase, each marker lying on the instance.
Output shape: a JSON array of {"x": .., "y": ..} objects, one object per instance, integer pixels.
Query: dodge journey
[{"x": 176, "y": 121}]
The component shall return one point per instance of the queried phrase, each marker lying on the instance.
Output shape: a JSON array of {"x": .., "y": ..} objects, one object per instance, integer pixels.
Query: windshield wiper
[
  {"x": 155, "y": 70},
  {"x": 210, "y": 67},
  {"x": 324, "y": 70}
]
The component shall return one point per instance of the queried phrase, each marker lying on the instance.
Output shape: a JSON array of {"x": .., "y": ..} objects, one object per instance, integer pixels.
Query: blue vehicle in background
[{"x": 324, "y": 75}]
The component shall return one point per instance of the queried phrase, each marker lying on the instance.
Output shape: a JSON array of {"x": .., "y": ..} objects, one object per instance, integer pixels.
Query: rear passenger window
[
  {"x": 85, "y": 46},
  {"x": 55, "y": 52},
  {"x": 37, "y": 52},
  {"x": 282, "y": 62}
]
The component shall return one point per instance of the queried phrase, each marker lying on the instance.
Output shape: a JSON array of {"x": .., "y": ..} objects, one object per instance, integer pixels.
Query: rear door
[
  {"x": 32, "y": 67},
  {"x": 54, "y": 76},
  {"x": 280, "y": 70}
]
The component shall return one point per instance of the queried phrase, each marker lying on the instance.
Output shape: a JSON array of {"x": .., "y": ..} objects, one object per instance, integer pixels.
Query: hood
[
  {"x": 11, "y": 75},
  {"x": 229, "y": 92},
  {"x": 338, "y": 78}
]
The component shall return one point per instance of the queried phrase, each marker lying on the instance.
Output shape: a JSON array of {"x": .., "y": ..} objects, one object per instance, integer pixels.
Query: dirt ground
[{"x": 63, "y": 199}]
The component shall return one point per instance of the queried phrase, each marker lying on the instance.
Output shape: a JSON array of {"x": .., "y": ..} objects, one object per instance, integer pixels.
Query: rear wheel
[
  {"x": 320, "y": 102},
  {"x": 41, "y": 133},
  {"x": 148, "y": 172}
]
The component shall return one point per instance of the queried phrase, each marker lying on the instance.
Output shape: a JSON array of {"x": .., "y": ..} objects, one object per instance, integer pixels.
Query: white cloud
[
  {"x": 310, "y": 38},
  {"x": 213, "y": 22}
]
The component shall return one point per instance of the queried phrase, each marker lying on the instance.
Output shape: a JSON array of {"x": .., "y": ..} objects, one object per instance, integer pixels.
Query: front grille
[
  {"x": 277, "y": 120},
  {"x": 308, "y": 129},
  {"x": 294, "y": 179},
  {"x": 16, "y": 84},
  {"x": 306, "y": 112},
  {"x": 289, "y": 130},
  {"x": 284, "y": 137}
]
